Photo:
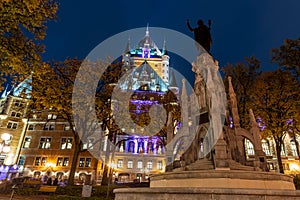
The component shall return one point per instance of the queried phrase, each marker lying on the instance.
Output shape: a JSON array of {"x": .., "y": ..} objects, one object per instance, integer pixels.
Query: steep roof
[{"x": 23, "y": 89}]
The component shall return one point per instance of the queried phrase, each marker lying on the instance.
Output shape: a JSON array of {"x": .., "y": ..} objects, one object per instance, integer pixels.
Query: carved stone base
[
  {"x": 203, "y": 193},
  {"x": 224, "y": 179}
]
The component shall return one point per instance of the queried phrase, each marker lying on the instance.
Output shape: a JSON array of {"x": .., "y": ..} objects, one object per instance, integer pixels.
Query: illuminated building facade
[
  {"x": 137, "y": 156},
  {"x": 40, "y": 144}
]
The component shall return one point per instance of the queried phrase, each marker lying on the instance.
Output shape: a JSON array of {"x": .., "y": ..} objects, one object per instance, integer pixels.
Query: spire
[
  {"x": 147, "y": 30},
  {"x": 127, "y": 49},
  {"x": 23, "y": 89},
  {"x": 254, "y": 126},
  {"x": 233, "y": 104},
  {"x": 164, "y": 50}
]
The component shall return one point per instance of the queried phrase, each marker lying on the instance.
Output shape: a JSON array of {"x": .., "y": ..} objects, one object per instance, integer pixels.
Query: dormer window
[{"x": 146, "y": 53}]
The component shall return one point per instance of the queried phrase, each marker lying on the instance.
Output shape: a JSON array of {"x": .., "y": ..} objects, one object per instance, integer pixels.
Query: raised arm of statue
[{"x": 189, "y": 26}]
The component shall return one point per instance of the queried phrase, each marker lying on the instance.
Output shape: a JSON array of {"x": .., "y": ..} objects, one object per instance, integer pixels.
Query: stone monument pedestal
[
  {"x": 214, "y": 184},
  {"x": 203, "y": 194},
  {"x": 223, "y": 179}
]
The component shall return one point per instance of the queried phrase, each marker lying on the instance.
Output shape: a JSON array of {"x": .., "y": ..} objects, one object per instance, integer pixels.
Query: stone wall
[{"x": 203, "y": 193}]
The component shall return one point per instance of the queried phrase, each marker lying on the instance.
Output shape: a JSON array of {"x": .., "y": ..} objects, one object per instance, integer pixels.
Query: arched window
[
  {"x": 37, "y": 174},
  {"x": 249, "y": 148},
  {"x": 82, "y": 177},
  {"x": 131, "y": 147},
  {"x": 266, "y": 147},
  {"x": 293, "y": 148},
  {"x": 59, "y": 175}
]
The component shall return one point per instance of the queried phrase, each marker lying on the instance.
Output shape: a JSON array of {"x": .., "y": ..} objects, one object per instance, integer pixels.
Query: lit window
[
  {"x": 266, "y": 147},
  {"x": 149, "y": 165},
  {"x": 85, "y": 162},
  {"x": 249, "y": 148},
  {"x": 62, "y": 161},
  {"x": 66, "y": 143},
  {"x": 67, "y": 128},
  {"x": 271, "y": 166},
  {"x": 81, "y": 162},
  {"x": 27, "y": 141},
  {"x": 45, "y": 143},
  {"x": 129, "y": 164},
  {"x": 37, "y": 161},
  {"x": 283, "y": 152},
  {"x": 120, "y": 163},
  {"x": 293, "y": 148},
  {"x": 66, "y": 162},
  {"x": 44, "y": 161},
  {"x": 159, "y": 165},
  {"x": 59, "y": 161},
  {"x": 22, "y": 161},
  {"x": 88, "y": 162},
  {"x": 52, "y": 116},
  {"x": 89, "y": 144},
  {"x": 140, "y": 164}
]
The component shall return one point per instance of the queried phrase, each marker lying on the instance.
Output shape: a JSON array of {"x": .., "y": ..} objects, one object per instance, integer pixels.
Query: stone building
[{"x": 40, "y": 144}]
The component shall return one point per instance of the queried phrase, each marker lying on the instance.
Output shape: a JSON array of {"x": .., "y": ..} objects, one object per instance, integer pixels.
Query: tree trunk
[
  {"x": 105, "y": 178},
  {"x": 74, "y": 162},
  {"x": 279, "y": 160}
]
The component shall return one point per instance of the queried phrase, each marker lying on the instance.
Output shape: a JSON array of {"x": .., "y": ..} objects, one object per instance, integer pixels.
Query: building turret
[{"x": 165, "y": 64}]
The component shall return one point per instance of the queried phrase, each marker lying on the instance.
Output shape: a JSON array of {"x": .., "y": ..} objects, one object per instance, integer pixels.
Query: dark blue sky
[{"x": 240, "y": 28}]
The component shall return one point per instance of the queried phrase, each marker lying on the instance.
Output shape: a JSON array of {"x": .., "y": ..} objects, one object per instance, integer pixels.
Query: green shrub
[
  {"x": 26, "y": 191},
  {"x": 69, "y": 190}
]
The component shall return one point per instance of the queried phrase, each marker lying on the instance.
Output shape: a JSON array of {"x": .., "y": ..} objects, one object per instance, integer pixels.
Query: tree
[
  {"x": 53, "y": 88},
  {"x": 52, "y": 91},
  {"x": 243, "y": 76},
  {"x": 288, "y": 56},
  {"x": 275, "y": 100},
  {"x": 22, "y": 28}
]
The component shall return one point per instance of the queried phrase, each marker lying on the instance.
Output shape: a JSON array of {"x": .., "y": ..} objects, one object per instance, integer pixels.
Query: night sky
[{"x": 240, "y": 28}]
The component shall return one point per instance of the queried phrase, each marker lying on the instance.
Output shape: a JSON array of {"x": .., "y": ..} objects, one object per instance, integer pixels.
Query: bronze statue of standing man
[{"x": 202, "y": 34}]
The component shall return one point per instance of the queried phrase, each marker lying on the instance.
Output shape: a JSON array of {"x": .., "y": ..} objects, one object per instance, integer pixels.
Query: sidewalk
[{"x": 19, "y": 197}]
